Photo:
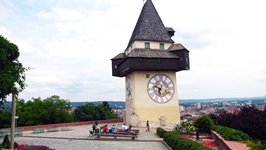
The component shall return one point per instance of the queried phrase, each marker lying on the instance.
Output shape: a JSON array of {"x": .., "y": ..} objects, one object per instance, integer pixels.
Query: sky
[{"x": 69, "y": 45}]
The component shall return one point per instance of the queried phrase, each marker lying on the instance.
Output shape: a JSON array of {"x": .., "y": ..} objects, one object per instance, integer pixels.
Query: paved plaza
[{"x": 78, "y": 138}]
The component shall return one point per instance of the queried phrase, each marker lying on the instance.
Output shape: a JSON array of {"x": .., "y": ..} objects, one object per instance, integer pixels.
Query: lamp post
[{"x": 16, "y": 86}]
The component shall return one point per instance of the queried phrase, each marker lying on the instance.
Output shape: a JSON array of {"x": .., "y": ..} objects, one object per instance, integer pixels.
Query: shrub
[
  {"x": 178, "y": 143},
  {"x": 185, "y": 126},
  {"x": 6, "y": 142},
  {"x": 258, "y": 146},
  {"x": 204, "y": 123},
  {"x": 160, "y": 132},
  {"x": 231, "y": 134}
]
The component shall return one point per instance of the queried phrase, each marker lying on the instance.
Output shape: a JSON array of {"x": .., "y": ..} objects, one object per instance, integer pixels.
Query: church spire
[{"x": 149, "y": 26}]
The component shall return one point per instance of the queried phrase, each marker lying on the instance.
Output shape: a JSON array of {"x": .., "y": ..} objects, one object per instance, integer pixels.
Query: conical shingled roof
[{"x": 149, "y": 26}]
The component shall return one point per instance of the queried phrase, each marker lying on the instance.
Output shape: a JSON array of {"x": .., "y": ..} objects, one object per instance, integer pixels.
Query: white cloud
[{"x": 70, "y": 45}]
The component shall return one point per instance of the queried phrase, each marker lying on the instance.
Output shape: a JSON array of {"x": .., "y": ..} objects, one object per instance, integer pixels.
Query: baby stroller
[{"x": 92, "y": 133}]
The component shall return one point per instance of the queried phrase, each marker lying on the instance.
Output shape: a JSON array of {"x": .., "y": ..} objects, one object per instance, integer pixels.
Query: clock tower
[{"x": 149, "y": 64}]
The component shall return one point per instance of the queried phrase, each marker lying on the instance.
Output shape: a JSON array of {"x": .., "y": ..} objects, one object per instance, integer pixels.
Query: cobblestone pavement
[{"x": 78, "y": 139}]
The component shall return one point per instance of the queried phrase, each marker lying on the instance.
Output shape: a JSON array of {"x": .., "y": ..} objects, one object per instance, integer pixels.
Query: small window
[
  {"x": 147, "y": 44},
  {"x": 147, "y": 75},
  {"x": 161, "y": 45}
]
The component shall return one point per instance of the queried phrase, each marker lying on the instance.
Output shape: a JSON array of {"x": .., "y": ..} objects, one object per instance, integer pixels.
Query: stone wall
[
  {"x": 219, "y": 141},
  {"x": 25, "y": 128}
]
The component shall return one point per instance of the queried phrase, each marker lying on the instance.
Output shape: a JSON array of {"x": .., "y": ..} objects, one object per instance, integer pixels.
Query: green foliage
[
  {"x": 178, "y": 143},
  {"x": 5, "y": 119},
  {"x": 258, "y": 146},
  {"x": 185, "y": 126},
  {"x": 58, "y": 110},
  {"x": 11, "y": 70},
  {"x": 250, "y": 120},
  {"x": 204, "y": 123},
  {"x": 231, "y": 134},
  {"x": 90, "y": 111},
  {"x": 6, "y": 142},
  {"x": 48, "y": 111},
  {"x": 160, "y": 132},
  {"x": 54, "y": 110}
]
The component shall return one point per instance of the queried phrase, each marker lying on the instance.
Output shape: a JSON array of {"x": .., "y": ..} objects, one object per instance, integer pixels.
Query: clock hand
[{"x": 160, "y": 90}]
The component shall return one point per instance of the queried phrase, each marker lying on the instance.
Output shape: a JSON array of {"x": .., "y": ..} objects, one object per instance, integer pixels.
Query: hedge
[
  {"x": 231, "y": 134},
  {"x": 178, "y": 143}
]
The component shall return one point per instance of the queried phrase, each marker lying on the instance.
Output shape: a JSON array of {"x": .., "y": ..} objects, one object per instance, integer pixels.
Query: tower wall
[{"x": 142, "y": 107}]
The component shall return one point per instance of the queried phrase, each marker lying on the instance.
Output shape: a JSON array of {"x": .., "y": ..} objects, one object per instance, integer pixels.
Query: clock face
[
  {"x": 128, "y": 88},
  {"x": 161, "y": 88}
]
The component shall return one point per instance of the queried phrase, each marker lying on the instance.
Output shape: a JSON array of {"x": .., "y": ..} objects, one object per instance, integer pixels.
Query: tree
[
  {"x": 48, "y": 111},
  {"x": 5, "y": 119},
  {"x": 89, "y": 111},
  {"x": 58, "y": 109},
  {"x": 11, "y": 70},
  {"x": 86, "y": 112},
  {"x": 204, "y": 123},
  {"x": 250, "y": 120}
]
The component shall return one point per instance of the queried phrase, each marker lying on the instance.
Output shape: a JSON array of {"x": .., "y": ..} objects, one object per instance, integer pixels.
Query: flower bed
[
  {"x": 32, "y": 147},
  {"x": 205, "y": 140},
  {"x": 210, "y": 144},
  {"x": 190, "y": 136}
]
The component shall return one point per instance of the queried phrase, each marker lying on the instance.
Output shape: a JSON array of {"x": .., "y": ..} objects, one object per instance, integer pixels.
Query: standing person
[
  {"x": 197, "y": 133},
  {"x": 148, "y": 126}
]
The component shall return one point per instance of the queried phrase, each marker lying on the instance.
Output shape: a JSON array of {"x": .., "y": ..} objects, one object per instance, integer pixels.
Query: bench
[
  {"x": 5, "y": 132},
  {"x": 134, "y": 130},
  {"x": 52, "y": 130},
  {"x": 115, "y": 135},
  {"x": 18, "y": 132},
  {"x": 38, "y": 130},
  {"x": 65, "y": 129}
]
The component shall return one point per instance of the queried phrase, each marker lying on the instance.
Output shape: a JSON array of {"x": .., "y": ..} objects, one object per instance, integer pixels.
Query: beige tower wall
[{"x": 142, "y": 106}]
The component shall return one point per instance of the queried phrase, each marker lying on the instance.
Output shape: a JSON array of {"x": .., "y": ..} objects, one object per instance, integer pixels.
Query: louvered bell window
[
  {"x": 161, "y": 45},
  {"x": 147, "y": 45}
]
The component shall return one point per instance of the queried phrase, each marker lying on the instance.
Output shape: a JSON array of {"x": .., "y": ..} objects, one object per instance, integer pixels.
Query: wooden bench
[
  {"x": 115, "y": 135},
  {"x": 38, "y": 130},
  {"x": 134, "y": 130}
]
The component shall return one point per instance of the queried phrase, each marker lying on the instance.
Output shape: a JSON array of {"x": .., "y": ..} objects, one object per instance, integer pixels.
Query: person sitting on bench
[
  {"x": 105, "y": 129},
  {"x": 124, "y": 127},
  {"x": 130, "y": 131},
  {"x": 113, "y": 129}
]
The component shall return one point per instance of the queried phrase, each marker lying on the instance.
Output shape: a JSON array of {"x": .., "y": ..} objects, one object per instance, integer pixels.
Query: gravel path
[{"x": 78, "y": 139}]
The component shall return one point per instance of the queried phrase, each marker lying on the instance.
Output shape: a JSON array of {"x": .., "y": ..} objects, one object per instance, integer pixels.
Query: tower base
[{"x": 165, "y": 117}]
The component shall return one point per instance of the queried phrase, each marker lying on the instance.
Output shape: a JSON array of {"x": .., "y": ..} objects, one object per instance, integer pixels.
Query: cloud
[{"x": 70, "y": 45}]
